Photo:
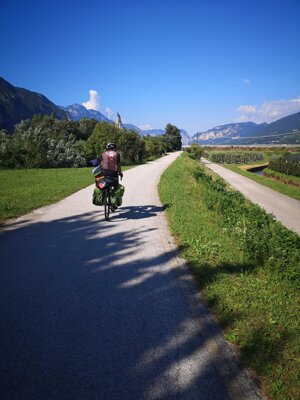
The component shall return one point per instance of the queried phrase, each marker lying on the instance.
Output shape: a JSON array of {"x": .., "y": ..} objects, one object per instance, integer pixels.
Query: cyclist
[{"x": 110, "y": 162}]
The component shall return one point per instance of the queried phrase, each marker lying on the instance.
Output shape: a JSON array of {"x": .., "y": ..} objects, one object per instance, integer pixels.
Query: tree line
[{"x": 46, "y": 142}]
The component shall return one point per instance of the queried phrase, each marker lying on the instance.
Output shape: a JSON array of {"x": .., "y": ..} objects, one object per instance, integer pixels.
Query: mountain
[
  {"x": 185, "y": 137},
  {"x": 77, "y": 111},
  {"x": 284, "y": 130},
  {"x": 153, "y": 132},
  {"x": 226, "y": 133},
  {"x": 132, "y": 127},
  {"x": 284, "y": 125},
  {"x": 17, "y": 104}
]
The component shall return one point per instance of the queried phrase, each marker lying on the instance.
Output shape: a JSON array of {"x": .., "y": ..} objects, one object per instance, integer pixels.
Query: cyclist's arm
[{"x": 119, "y": 164}]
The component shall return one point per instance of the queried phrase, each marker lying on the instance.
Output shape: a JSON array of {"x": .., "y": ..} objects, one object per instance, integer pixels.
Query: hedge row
[
  {"x": 234, "y": 157},
  {"x": 289, "y": 165}
]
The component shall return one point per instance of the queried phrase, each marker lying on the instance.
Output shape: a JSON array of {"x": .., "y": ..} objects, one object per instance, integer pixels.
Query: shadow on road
[
  {"x": 85, "y": 315},
  {"x": 138, "y": 212}
]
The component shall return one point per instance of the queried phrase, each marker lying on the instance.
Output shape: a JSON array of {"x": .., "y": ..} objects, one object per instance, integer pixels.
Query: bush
[
  {"x": 288, "y": 164},
  {"x": 195, "y": 151},
  {"x": 234, "y": 157}
]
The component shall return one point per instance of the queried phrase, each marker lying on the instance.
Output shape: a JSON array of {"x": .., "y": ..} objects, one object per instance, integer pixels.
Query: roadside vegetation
[
  {"x": 46, "y": 142},
  {"x": 248, "y": 267},
  {"x": 235, "y": 157}
]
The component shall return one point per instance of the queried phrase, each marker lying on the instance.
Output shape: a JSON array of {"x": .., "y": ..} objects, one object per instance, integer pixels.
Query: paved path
[
  {"x": 285, "y": 209},
  {"x": 102, "y": 310}
]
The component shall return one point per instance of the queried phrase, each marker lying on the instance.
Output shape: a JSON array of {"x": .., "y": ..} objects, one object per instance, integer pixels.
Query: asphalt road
[
  {"x": 284, "y": 208},
  {"x": 106, "y": 310}
]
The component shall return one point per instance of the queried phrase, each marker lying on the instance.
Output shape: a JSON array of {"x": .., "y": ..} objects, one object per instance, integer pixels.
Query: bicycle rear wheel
[{"x": 106, "y": 204}]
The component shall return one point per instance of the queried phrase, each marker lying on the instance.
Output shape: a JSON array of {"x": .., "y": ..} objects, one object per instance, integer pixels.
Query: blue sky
[{"x": 195, "y": 64}]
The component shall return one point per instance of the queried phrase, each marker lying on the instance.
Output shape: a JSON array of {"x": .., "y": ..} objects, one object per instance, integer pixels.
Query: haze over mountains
[{"x": 17, "y": 104}]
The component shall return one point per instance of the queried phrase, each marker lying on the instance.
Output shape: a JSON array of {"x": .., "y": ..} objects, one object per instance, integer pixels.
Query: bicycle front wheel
[{"x": 106, "y": 204}]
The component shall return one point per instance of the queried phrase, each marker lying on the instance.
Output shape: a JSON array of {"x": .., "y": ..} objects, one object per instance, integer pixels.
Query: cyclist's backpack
[
  {"x": 116, "y": 196},
  {"x": 110, "y": 160},
  {"x": 98, "y": 197}
]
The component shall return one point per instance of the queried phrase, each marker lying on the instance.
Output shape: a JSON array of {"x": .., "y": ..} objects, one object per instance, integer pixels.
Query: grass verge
[
  {"x": 280, "y": 187},
  {"x": 23, "y": 190},
  {"x": 252, "y": 289},
  {"x": 284, "y": 178}
]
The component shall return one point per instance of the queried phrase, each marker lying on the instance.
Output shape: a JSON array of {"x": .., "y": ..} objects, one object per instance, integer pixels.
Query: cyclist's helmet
[{"x": 111, "y": 146}]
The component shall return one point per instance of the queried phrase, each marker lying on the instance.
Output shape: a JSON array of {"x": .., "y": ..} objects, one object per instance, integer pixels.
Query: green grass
[
  {"x": 259, "y": 314},
  {"x": 23, "y": 190},
  {"x": 281, "y": 187},
  {"x": 279, "y": 175}
]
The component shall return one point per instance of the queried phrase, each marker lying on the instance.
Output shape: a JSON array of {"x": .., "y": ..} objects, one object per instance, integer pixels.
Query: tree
[
  {"x": 86, "y": 127},
  {"x": 173, "y": 137},
  {"x": 129, "y": 143},
  {"x": 45, "y": 142},
  {"x": 155, "y": 146},
  {"x": 132, "y": 146},
  {"x": 103, "y": 133}
]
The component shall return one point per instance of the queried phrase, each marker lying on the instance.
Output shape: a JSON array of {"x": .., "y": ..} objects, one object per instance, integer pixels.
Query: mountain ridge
[
  {"x": 284, "y": 129},
  {"x": 17, "y": 104}
]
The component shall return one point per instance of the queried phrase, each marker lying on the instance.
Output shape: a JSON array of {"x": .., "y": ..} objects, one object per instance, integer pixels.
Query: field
[
  {"x": 247, "y": 266},
  {"x": 23, "y": 190}
]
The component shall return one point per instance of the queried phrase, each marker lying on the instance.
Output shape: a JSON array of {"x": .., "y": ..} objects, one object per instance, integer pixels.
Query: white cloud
[
  {"x": 94, "y": 102},
  {"x": 109, "y": 112},
  {"x": 269, "y": 111},
  {"x": 246, "y": 81},
  {"x": 145, "y": 127},
  {"x": 247, "y": 109}
]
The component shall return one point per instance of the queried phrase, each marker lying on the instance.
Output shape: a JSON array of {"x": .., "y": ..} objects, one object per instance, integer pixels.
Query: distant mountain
[
  {"x": 284, "y": 130},
  {"x": 17, "y": 104},
  {"x": 288, "y": 124},
  {"x": 226, "y": 133},
  {"x": 153, "y": 132},
  {"x": 77, "y": 111},
  {"x": 132, "y": 127},
  {"x": 185, "y": 137}
]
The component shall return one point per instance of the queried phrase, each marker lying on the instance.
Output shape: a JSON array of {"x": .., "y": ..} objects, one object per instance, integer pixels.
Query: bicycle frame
[{"x": 106, "y": 202}]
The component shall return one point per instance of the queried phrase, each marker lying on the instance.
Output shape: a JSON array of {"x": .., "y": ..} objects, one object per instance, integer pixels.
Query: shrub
[
  {"x": 288, "y": 164},
  {"x": 195, "y": 151},
  {"x": 228, "y": 157}
]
